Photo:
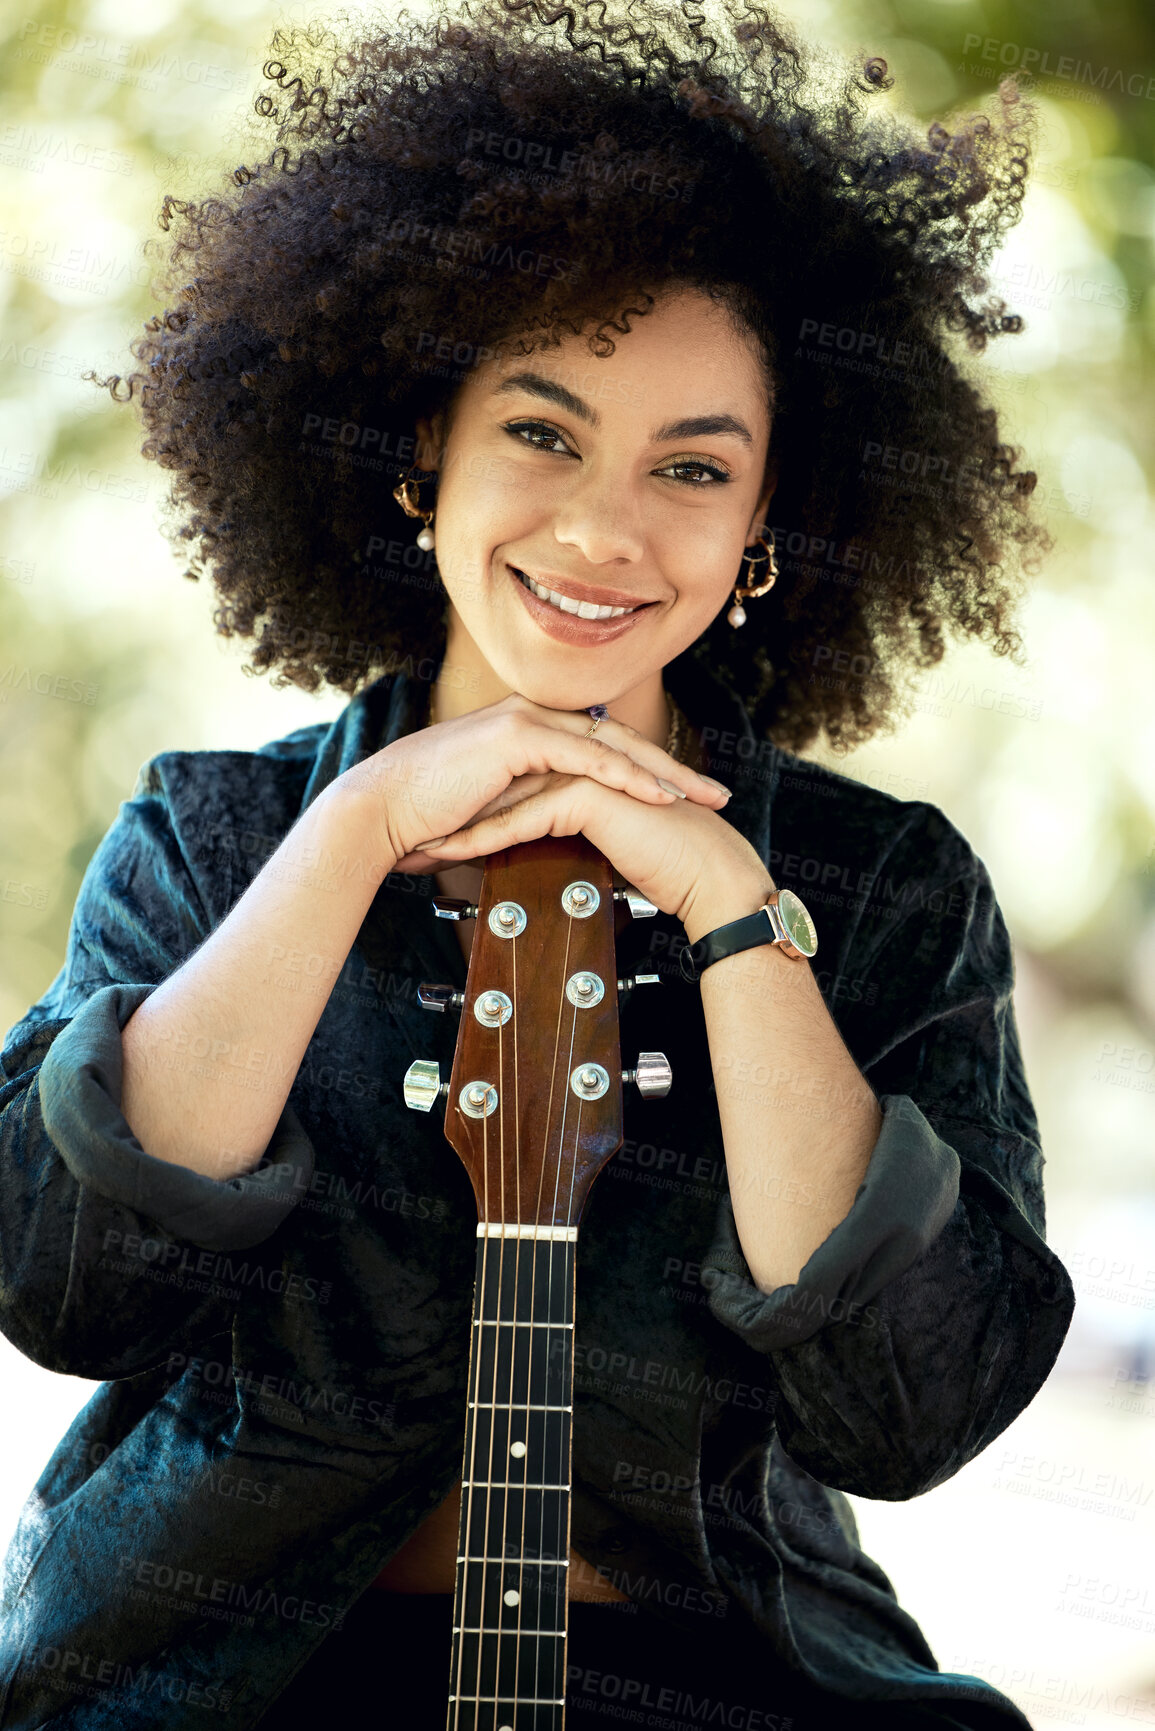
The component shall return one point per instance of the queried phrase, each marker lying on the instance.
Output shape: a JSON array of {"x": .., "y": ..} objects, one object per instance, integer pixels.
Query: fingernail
[
  {"x": 669, "y": 787},
  {"x": 710, "y": 782},
  {"x": 436, "y": 842}
]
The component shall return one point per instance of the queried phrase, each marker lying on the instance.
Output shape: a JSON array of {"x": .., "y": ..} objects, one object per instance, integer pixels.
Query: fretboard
[{"x": 511, "y": 1599}]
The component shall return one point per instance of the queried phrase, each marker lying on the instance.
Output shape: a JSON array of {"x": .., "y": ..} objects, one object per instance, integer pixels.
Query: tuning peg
[
  {"x": 652, "y": 1073},
  {"x": 423, "y": 1085},
  {"x": 639, "y": 907},
  {"x": 453, "y": 908},
  {"x": 633, "y": 980},
  {"x": 440, "y": 998}
]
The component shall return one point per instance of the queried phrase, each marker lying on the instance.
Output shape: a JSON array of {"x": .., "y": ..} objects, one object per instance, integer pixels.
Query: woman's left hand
[{"x": 680, "y": 856}]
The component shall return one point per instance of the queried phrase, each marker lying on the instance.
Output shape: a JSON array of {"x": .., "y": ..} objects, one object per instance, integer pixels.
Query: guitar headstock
[{"x": 534, "y": 1106}]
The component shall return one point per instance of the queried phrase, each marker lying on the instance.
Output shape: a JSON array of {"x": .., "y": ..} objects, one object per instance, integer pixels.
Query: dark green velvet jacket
[{"x": 283, "y": 1356}]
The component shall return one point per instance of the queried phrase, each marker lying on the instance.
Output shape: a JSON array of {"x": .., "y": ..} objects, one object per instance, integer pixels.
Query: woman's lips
[{"x": 568, "y": 627}]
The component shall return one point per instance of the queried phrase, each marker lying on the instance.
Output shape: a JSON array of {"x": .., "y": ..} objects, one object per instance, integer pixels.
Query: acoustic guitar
[{"x": 534, "y": 1111}]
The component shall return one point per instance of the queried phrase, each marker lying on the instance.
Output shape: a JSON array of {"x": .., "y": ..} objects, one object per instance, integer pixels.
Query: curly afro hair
[{"x": 518, "y": 171}]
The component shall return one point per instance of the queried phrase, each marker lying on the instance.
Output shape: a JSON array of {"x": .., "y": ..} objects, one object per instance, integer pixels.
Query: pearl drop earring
[
  {"x": 412, "y": 508},
  {"x": 737, "y": 614}
]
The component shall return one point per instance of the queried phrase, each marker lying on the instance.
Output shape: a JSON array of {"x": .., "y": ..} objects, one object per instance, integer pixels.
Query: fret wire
[
  {"x": 504, "y": 1322},
  {"x": 507, "y": 1562},
  {"x": 511, "y": 1229},
  {"x": 550, "y": 1634},
  {"x": 521, "y": 1406},
  {"x": 518, "y": 1700},
  {"x": 511, "y": 1485}
]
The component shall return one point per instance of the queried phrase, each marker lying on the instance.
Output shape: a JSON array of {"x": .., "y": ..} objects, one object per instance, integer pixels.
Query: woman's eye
[
  {"x": 702, "y": 468},
  {"x": 535, "y": 434},
  {"x": 517, "y": 428}
]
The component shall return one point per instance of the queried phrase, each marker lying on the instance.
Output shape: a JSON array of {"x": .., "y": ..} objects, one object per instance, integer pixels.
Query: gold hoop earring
[
  {"x": 412, "y": 508},
  {"x": 737, "y": 613}
]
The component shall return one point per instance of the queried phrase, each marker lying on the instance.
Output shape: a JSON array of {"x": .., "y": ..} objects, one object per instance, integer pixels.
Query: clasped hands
[{"x": 456, "y": 791}]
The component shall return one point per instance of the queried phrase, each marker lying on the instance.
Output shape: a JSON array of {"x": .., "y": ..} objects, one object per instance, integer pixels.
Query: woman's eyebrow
[{"x": 691, "y": 426}]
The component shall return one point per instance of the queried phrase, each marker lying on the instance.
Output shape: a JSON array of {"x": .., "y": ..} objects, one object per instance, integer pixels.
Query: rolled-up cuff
[
  {"x": 80, "y": 1085},
  {"x": 907, "y": 1196}
]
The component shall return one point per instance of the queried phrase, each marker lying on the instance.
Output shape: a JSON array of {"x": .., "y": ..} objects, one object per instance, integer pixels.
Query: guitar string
[
  {"x": 561, "y": 1539},
  {"x": 463, "y": 1530},
  {"x": 517, "y": 1242},
  {"x": 471, "y": 1510},
  {"x": 514, "y": 1253},
  {"x": 465, "y": 1525},
  {"x": 484, "y": 1503},
  {"x": 571, "y": 1294},
  {"x": 550, "y": 1272}
]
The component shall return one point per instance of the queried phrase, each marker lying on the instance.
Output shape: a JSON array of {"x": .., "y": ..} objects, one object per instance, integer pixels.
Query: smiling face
[{"x": 626, "y": 487}]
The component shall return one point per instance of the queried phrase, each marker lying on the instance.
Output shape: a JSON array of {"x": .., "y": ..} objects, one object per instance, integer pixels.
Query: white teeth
[{"x": 583, "y": 609}]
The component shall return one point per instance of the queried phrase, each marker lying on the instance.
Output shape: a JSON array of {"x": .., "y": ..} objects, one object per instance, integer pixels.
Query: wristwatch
[{"x": 783, "y": 919}]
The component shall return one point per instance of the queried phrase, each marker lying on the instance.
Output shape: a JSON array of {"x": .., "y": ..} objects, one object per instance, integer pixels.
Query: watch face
[{"x": 799, "y": 926}]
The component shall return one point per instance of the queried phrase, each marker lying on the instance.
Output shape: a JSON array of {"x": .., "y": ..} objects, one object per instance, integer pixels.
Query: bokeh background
[{"x": 1033, "y": 1565}]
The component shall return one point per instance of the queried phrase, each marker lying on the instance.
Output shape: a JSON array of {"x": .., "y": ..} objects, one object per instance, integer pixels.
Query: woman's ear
[
  {"x": 769, "y": 484},
  {"x": 430, "y": 451}
]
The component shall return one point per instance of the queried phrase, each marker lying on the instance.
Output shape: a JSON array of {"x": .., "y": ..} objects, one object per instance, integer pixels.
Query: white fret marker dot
[
  {"x": 512, "y": 1597},
  {"x": 517, "y": 1449}
]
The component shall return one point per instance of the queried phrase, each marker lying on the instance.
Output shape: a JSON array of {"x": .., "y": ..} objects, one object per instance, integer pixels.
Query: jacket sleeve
[
  {"x": 107, "y": 1254},
  {"x": 933, "y": 1312}
]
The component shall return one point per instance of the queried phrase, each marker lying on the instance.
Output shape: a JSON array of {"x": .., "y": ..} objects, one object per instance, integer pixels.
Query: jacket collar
[
  {"x": 391, "y": 707},
  {"x": 395, "y": 705}
]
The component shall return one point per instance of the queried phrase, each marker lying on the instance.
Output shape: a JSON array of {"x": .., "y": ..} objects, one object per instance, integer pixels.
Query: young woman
[{"x": 656, "y": 335}]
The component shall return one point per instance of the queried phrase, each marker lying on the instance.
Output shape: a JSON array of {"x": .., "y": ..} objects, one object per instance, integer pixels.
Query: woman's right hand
[{"x": 433, "y": 782}]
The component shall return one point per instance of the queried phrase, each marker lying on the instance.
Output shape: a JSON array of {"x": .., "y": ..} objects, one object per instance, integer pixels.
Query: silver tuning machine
[
  {"x": 652, "y": 1075},
  {"x": 453, "y": 908},
  {"x": 422, "y": 1085},
  {"x": 639, "y": 908},
  {"x": 441, "y": 998},
  {"x": 632, "y": 980}
]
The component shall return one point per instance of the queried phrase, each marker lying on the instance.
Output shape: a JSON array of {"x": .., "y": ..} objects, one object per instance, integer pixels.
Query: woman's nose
[{"x": 600, "y": 517}]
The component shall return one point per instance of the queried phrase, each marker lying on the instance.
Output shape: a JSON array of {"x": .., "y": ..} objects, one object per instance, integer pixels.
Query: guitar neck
[
  {"x": 534, "y": 1110},
  {"x": 511, "y": 1598}
]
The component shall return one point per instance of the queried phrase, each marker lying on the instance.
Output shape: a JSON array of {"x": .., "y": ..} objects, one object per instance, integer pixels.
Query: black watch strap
[{"x": 724, "y": 941}]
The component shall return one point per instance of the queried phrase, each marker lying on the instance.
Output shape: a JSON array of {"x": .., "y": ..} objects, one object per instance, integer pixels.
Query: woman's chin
[{"x": 554, "y": 694}]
